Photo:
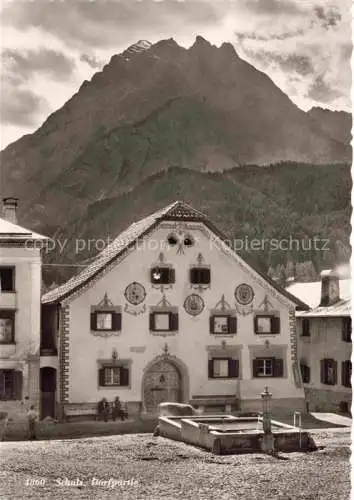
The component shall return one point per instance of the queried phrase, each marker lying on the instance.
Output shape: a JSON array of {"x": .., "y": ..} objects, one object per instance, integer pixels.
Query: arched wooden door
[
  {"x": 162, "y": 383},
  {"x": 48, "y": 390}
]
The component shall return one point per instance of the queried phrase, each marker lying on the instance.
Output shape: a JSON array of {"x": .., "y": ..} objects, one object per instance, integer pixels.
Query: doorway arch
[
  {"x": 165, "y": 379},
  {"x": 48, "y": 384}
]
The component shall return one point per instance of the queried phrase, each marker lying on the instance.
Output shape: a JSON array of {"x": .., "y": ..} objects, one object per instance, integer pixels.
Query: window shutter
[
  {"x": 306, "y": 327},
  {"x": 116, "y": 321},
  {"x": 173, "y": 320},
  {"x": 193, "y": 275},
  {"x": 255, "y": 324},
  {"x": 275, "y": 324},
  {"x": 205, "y": 276},
  {"x": 308, "y": 374},
  {"x": 124, "y": 376},
  {"x": 334, "y": 364},
  {"x": 345, "y": 377},
  {"x": 278, "y": 368},
  {"x": 232, "y": 320},
  {"x": 152, "y": 322},
  {"x": 101, "y": 377},
  {"x": 93, "y": 321},
  {"x": 254, "y": 366},
  {"x": 210, "y": 368},
  {"x": 211, "y": 324},
  {"x": 233, "y": 368},
  {"x": 17, "y": 384},
  {"x": 323, "y": 371},
  {"x": 172, "y": 276}
]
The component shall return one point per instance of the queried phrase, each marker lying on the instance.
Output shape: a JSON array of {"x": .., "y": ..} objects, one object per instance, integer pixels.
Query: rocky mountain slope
[
  {"x": 336, "y": 124},
  {"x": 151, "y": 108}
]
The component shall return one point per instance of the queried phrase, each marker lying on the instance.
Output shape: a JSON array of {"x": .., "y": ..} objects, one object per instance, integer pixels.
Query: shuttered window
[
  {"x": 305, "y": 331},
  {"x": 106, "y": 321},
  {"x": 346, "y": 373},
  {"x": 268, "y": 367},
  {"x": 163, "y": 321},
  {"x": 7, "y": 326},
  {"x": 223, "y": 324},
  {"x": 266, "y": 324},
  {"x": 113, "y": 376},
  {"x": 223, "y": 368},
  {"x": 328, "y": 371},
  {"x": 199, "y": 275},
  {"x": 347, "y": 329},
  {"x": 10, "y": 385},
  {"x": 162, "y": 275},
  {"x": 305, "y": 373}
]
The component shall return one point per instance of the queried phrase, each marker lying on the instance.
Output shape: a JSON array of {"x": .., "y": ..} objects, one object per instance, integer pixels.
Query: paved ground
[{"x": 140, "y": 466}]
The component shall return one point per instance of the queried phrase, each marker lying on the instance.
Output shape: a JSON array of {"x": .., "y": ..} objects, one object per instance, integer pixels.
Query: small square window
[
  {"x": 266, "y": 324},
  {"x": 200, "y": 275},
  {"x": 162, "y": 275},
  {"x": 221, "y": 324},
  {"x": 221, "y": 367},
  {"x": 113, "y": 376},
  {"x": 268, "y": 367},
  {"x": 162, "y": 321}
]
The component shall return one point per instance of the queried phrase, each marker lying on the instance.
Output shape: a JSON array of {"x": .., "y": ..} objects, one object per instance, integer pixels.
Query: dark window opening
[
  {"x": 10, "y": 385},
  {"x": 223, "y": 368},
  {"x": 172, "y": 240},
  {"x": 199, "y": 275},
  {"x": 188, "y": 241},
  {"x": 305, "y": 373},
  {"x": 268, "y": 367},
  {"x": 346, "y": 373},
  {"x": 7, "y": 279},
  {"x": 113, "y": 376},
  {"x": 7, "y": 326},
  {"x": 328, "y": 371},
  {"x": 305, "y": 327},
  {"x": 347, "y": 329},
  {"x": 162, "y": 275}
]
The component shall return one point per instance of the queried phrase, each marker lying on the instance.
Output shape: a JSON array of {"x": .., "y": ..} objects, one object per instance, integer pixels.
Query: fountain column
[{"x": 267, "y": 441}]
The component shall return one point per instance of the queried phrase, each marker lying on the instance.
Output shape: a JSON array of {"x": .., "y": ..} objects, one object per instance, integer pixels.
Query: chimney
[
  {"x": 329, "y": 288},
  {"x": 10, "y": 209}
]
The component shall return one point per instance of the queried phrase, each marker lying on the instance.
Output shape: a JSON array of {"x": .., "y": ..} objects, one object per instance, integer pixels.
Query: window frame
[
  {"x": 116, "y": 320},
  {"x": 274, "y": 368},
  {"x": 325, "y": 364},
  {"x": 173, "y": 320},
  {"x": 305, "y": 330},
  {"x": 305, "y": 371},
  {"x": 9, "y": 314},
  {"x": 200, "y": 269},
  {"x": 171, "y": 275},
  {"x": 124, "y": 378},
  {"x": 231, "y": 324},
  {"x": 347, "y": 329},
  {"x": 233, "y": 364},
  {"x": 274, "y": 324},
  {"x": 13, "y": 279},
  {"x": 346, "y": 373},
  {"x": 16, "y": 382}
]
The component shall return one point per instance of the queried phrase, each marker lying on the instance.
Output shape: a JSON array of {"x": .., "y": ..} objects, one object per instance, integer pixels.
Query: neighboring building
[
  {"x": 325, "y": 343},
  {"x": 169, "y": 312},
  {"x": 20, "y": 296}
]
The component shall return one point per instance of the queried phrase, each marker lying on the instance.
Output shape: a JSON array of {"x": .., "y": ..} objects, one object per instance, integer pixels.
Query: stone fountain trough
[{"x": 227, "y": 434}]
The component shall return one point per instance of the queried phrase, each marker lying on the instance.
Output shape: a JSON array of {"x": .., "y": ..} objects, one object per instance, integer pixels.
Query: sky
[{"x": 49, "y": 47}]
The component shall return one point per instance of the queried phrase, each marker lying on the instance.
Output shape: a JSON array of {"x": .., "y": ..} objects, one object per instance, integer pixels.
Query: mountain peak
[{"x": 136, "y": 48}]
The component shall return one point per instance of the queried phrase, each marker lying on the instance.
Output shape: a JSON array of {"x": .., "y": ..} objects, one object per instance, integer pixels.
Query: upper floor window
[
  {"x": 346, "y": 373},
  {"x": 305, "y": 327},
  {"x": 268, "y": 367},
  {"x": 328, "y": 371},
  {"x": 7, "y": 279},
  {"x": 223, "y": 324},
  {"x": 7, "y": 326},
  {"x": 162, "y": 275},
  {"x": 106, "y": 321},
  {"x": 223, "y": 368},
  {"x": 199, "y": 275},
  {"x": 163, "y": 321},
  {"x": 347, "y": 329},
  {"x": 266, "y": 324}
]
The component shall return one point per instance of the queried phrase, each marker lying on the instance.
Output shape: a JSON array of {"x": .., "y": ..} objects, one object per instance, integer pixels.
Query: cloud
[
  {"x": 329, "y": 17},
  {"x": 21, "y": 107},
  {"x": 22, "y": 65},
  {"x": 92, "y": 61},
  {"x": 321, "y": 91}
]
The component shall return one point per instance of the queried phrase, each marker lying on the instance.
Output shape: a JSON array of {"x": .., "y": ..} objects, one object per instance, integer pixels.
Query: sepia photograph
[{"x": 175, "y": 249}]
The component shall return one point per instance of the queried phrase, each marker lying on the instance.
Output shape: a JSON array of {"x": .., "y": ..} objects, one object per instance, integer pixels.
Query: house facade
[
  {"x": 169, "y": 312},
  {"x": 324, "y": 340},
  {"x": 20, "y": 296}
]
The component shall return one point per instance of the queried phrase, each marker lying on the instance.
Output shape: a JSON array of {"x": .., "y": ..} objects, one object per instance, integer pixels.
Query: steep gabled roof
[{"x": 179, "y": 211}]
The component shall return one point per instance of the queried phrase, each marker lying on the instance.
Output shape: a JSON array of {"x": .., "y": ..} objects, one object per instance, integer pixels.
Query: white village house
[
  {"x": 169, "y": 312},
  {"x": 325, "y": 342},
  {"x": 20, "y": 298}
]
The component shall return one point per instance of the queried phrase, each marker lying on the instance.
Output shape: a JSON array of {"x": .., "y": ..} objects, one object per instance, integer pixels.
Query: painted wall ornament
[
  {"x": 180, "y": 238},
  {"x": 194, "y": 304},
  {"x": 265, "y": 305},
  {"x": 244, "y": 296},
  {"x": 135, "y": 294}
]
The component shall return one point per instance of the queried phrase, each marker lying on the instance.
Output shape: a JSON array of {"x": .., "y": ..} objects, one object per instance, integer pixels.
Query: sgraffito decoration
[
  {"x": 135, "y": 295},
  {"x": 244, "y": 296},
  {"x": 194, "y": 304}
]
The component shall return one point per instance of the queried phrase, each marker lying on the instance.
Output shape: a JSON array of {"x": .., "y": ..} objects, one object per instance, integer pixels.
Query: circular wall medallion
[
  {"x": 135, "y": 293},
  {"x": 244, "y": 294},
  {"x": 194, "y": 304}
]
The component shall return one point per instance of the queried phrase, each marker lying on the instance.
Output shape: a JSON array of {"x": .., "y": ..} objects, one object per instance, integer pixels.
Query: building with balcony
[
  {"x": 169, "y": 312},
  {"x": 324, "y": 340},
  {"x": 20, "y": 295}
]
